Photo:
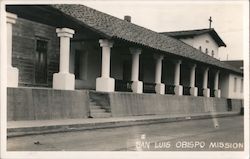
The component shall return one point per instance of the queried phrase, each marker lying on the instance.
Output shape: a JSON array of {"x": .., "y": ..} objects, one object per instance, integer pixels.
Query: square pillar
[
  {"x": 159, "y": 88},
  {"x": 194, "y": 91},
  {"x": 63, "y": 79},
  {"x": 137, "y": 86},
  {"x": 217, "y": 93},
  {"x": 12, "y": 72},
  {"x": 178, "y": 90},
  {"x": 105, "y": 83}
]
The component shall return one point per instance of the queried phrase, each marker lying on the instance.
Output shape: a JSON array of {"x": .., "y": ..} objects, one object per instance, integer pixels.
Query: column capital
[
  {"x": 134, "y": 50},
  {"x": 203, "y": 68},
  {"x": 192, "y": 65},
  {"x": 11, "y": 18},
  {"x": 65, "y": 32},
  {"x": 106, "y": 43},
  {"x": 158, "y": 56},
  {"x": 177, "y": 62}
]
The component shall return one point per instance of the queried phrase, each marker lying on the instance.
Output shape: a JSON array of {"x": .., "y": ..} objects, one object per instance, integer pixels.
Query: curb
[{"x": 17, "y": 132}]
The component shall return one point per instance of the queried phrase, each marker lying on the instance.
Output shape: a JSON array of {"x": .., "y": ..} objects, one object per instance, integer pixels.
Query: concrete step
[
  {"x": 95, "y": 107},
  {"x": 97, "y": 111},
  {"x": 101, "y": 115},
  {"x": 92, "y": 103}
]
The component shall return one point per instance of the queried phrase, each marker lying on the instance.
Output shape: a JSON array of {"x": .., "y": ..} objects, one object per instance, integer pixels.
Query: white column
[
  {"x": 159, "y": 88},
  {"x": 178, "y": 88},
  {"x": 217, "y": 91},
  {"x": 105, "y": 83},
  {"x": 206, "y": 91},
  {"x": 64, "y": 80},
  {"x": 12, "y": 72},
  {"x": 137, "y": 86},
  {"x": 193, "y": 89}
]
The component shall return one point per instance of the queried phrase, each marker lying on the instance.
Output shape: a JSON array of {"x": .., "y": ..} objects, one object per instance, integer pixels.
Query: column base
[
  {"x": 64, "y": 81},
  {"x": 178, "y": 90},
  {"x": 160, "y": 88},
  {"x": 105, "y": 84},
  {"x": 194, "y": 91},
  {"x": 12, "y": 77},
  {"x": 217, "y": 93},
  {"x": 137, "y": 86},
  {"x": 206, "y": 92}
]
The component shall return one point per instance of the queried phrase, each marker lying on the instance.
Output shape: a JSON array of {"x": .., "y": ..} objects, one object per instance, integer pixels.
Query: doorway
[{"x": 41, "y": 62}]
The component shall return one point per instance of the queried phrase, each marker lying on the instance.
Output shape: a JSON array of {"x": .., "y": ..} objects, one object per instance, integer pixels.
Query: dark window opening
[
  {"x": 77, "y": 63},
  {"x": 206, "y": 51},
  {"x": 127, "y": 70},
  {"x": 41, "y": 62},
  {"x": 212, "y": 53}
]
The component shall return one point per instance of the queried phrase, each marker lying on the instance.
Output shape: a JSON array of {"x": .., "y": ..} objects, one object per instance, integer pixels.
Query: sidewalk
[{"x": 35, "y": 127}]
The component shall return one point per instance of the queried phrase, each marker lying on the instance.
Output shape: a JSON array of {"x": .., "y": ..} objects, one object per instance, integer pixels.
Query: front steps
[{"x": 96, "y": 111}]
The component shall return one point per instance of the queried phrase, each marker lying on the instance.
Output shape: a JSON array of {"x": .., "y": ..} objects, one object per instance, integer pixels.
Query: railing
[
  {"x": 169, "y": 89},
  {"x": 125, "y": 86},
  {"x": 149, "y": 87},
  {"x": 212, "y": 93},
  {"x": 200, "y": 91},
  {"x": 186, "y": 90}
]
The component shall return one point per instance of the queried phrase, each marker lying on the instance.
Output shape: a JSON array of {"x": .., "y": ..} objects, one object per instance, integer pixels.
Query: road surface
[{"x": 218, "y": 134}]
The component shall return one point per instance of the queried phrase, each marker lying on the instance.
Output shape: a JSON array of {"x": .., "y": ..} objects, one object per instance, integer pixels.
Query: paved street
[{"x": 205, "y": 135}]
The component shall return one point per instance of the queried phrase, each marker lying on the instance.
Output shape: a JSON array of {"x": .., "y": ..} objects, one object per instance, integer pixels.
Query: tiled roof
[
  {"x": 115, "y": 28},
  {"x": 191, "y": 33}
]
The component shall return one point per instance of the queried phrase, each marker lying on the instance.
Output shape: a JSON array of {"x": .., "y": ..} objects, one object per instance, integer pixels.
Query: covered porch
[{"x": 92, "y": 60}]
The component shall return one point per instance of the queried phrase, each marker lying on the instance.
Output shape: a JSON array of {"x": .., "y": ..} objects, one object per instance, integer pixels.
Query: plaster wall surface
[
  {"x": 205, "y": 41},
  {"x": 235, "y": 87},
  {"x": 44, "y": 104},
  {"x": 25, "y": 35},
  {"x": 129, "y": 104}
]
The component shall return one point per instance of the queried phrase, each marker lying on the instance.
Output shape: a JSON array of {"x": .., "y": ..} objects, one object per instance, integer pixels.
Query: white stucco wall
[
  {"x": 227, "y": 86},
  {"x": 224, "y": 85},
  {"x": 189, "y": 41},
  {"x": 232, "y": 92},
  {"x": 205, "y": 41}
]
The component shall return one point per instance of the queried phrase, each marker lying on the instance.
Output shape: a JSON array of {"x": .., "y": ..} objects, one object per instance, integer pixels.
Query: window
[
  {"x": 212, "y": 53},
  {"x": 235, "y": 84},
  {"x": 206, "y": 51},
  {"x": 41, "y": 61},
  {"x": 241, "y": 85}
]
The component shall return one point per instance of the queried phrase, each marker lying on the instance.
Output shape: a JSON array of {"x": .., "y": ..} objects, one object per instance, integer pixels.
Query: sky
[{"x": 161, "y": 16}]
